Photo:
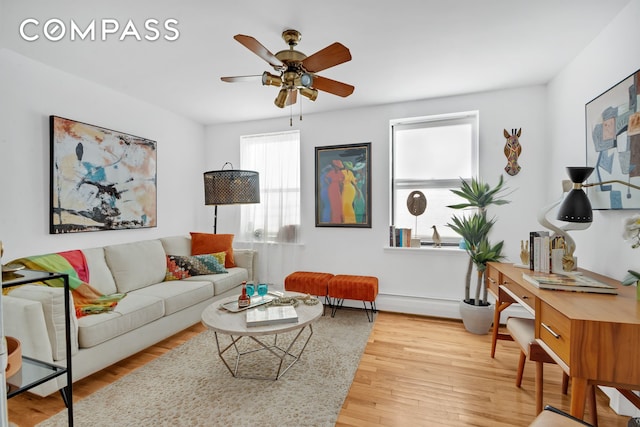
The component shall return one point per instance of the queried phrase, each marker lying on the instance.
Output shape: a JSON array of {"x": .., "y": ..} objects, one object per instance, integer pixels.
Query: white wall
[
  {"x": 427, "y": 281},
  {"x": 32, "y": 91},
  {"x": 612, "y": 56},
  {"x": 29, "y": 93}
]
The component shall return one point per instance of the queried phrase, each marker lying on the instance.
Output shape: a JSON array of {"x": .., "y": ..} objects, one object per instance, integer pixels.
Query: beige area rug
[{"x": 190, "y": 386}]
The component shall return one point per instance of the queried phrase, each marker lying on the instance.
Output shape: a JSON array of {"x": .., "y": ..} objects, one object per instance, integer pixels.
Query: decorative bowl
[{"x": 14, "y": 359}]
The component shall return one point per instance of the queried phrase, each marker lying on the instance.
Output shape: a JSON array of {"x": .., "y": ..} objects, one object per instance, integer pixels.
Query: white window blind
[{"x": 431, "y": 154}]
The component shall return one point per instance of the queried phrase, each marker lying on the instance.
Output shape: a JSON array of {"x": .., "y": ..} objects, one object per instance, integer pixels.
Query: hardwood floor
[
  {"x": 415, "y": 371},
  {"x": 431, "y": 372}
]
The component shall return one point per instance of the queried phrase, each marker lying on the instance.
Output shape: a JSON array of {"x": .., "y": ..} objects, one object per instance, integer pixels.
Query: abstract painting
[
  {"x": 101, "y": 179},
  {"x": 343, "y": 185},
  {"x": 613, "y": 145}
]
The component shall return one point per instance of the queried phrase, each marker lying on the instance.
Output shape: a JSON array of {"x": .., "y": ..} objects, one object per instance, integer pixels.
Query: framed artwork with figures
[{"x": 343, "y": 185}]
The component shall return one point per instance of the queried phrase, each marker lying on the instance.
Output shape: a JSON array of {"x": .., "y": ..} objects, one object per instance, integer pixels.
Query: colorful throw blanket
[{"x": 86, "y": 299}]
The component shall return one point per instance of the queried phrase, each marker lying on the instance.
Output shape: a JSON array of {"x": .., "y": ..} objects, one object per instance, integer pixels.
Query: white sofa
[{"x": 153, "y": 309}]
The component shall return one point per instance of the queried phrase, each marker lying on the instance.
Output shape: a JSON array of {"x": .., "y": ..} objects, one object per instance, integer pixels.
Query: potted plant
[{"x": 474, "y": 229}]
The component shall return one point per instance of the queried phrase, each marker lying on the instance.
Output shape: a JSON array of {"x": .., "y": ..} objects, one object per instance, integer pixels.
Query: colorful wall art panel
[
  {"x": 343, "y": 185},
  {"x": 101, "y": 179},
  {"x": 613, "y": 146}
]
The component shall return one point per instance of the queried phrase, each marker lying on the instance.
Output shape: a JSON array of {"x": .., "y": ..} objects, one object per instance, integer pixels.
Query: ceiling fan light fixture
[
  {"x": 306, "y": 79},
  {"x": 312, "y": 94},
  {"x": 269, "y": 79},
  {"x": 295, "y": 72},
  {"x": 289, "y": 77},
  {"x": 281, "y": 99},
  {"x": 291, "y": 37}
]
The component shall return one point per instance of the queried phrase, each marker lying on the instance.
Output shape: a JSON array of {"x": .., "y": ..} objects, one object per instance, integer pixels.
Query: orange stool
[
  {"x": 308, "y": 282},
  {"x": 359, "y": 288}
]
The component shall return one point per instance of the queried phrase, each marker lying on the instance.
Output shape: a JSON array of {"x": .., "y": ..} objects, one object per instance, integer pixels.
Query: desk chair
[
  {"x": 522, "y": 331},
  {"x": 552, "y": 417}
]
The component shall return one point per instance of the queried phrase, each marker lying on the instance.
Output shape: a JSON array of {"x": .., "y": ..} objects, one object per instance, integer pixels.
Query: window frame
[{"x": 439, "y": 120}]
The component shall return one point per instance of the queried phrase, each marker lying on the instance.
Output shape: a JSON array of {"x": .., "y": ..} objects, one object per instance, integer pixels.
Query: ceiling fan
[{"x": 296, "y": 71}]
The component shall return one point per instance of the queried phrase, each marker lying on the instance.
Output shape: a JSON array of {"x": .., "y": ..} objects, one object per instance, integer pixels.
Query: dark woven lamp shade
[{"x": 231, "y": 186}]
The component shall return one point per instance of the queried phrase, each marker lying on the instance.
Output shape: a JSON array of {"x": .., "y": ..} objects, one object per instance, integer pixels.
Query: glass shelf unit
[{"x": 34, "y": 372}]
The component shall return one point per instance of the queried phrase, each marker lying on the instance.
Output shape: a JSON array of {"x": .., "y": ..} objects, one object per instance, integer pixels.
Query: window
[
  {"x": 276, "y": 157},
  {"x": 431, "y": 154}
]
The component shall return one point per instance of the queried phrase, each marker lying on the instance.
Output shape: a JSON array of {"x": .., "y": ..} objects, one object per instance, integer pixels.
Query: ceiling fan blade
[
  {"x": 332, "y": 86},
  {"x": 292, "y": 96},
  {"x": 256, "y": 47},
  {"x": 328, "y": 57},
  {"x": 239, "y": 79}
]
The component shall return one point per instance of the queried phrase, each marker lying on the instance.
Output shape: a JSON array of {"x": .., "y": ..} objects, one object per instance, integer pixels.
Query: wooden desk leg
[
  {"x": 500, "y": 306},
  {"x": 593, "y": 405},
  {"x": 565, "y": 383},
  {"x": 578, "y": 395},
  {"x": 539, "y": 385}
]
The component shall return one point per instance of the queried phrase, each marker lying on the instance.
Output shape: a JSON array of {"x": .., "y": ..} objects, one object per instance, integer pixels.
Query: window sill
[
  {"x": 260, "y": 242},
  {"x": 449, "y": 249}
]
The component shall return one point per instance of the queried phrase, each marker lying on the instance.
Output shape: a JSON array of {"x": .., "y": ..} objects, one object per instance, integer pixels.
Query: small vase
[{"x": 638, "y": 290}]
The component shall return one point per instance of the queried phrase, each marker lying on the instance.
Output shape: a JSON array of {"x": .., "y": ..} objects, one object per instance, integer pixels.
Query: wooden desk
[{"x": 594, "y": 338}]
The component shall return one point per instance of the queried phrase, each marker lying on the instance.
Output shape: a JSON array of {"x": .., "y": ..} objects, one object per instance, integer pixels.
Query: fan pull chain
[{"x": 301, "y": 101}]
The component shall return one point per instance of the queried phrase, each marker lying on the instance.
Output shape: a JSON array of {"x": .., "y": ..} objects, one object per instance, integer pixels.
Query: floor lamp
[{"x": 230, "y": 187}]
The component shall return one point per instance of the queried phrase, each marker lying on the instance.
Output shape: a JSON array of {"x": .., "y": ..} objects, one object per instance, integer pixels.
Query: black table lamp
[
  {"x": 576, "y": 207},
  {"x": 230, "y": 187}
]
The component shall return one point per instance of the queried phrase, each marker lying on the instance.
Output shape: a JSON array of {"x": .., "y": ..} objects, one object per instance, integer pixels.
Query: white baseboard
[
  {"x": 619, "y": 403},
  {"x": 448, "y": 309}
]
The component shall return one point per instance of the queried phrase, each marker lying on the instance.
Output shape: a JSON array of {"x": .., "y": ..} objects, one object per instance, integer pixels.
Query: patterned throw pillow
[
  {"x": 221, "y": 257},
  {"x": 207, "y": 243},
  {"x": 181, "y": 267}
]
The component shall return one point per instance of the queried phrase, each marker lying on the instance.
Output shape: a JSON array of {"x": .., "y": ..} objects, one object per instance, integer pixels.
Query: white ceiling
[{"x": 402, "y": 50}]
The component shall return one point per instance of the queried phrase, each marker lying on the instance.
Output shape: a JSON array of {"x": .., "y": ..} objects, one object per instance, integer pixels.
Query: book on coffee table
[{"x": 273, "y": 315}]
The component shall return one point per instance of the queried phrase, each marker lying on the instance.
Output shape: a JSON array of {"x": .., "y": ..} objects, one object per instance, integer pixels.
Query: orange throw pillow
[{"x": 207, "y": 243}]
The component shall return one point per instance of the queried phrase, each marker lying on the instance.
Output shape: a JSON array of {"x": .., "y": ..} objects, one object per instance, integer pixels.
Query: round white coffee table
[{"x": 233, "y": 324}]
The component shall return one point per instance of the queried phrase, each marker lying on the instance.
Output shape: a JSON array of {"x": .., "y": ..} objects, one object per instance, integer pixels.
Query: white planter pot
[{"x": 477, "y": 319}]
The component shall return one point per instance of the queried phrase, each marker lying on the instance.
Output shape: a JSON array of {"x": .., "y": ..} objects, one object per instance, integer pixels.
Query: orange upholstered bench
[
  {"x": 359, "y": 288},
  {"x": 308, "y": 282}
]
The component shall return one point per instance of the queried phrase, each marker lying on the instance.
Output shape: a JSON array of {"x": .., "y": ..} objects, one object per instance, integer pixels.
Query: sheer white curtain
[{"x": 272, "y": 226}]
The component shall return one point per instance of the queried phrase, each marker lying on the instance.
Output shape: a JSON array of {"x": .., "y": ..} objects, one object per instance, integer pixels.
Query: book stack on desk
[
  {"x": 568, "y": 282},
  {"x": 539, "y": 255}
]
